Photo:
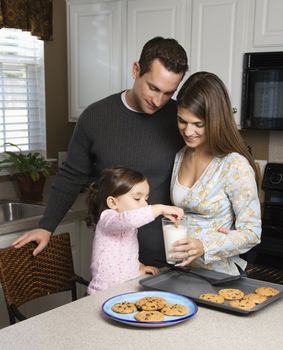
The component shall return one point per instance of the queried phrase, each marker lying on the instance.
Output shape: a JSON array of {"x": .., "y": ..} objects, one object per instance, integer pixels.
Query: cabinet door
[
  {"x": 147, "y": 19},
  {"x": 94, "y": 52},
  {"x": 6, "y": 241},
  {"x": 73, "y": 228},
  {"x": 268, "y": 24},
  {"x": 86, "y": 236},
  {"x": 218, "y": 34}
]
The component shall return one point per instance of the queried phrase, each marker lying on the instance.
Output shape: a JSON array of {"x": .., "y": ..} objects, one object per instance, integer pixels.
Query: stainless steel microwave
[{"x": 262, "y": 91}]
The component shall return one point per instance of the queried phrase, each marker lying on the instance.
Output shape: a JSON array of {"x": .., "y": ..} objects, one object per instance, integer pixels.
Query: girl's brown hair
[
  {"x": 206, "y": 96},
  {"x": 114, "y": 182}
]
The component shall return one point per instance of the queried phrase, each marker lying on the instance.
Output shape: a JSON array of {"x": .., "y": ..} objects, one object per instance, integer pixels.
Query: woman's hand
[
  {"x": 187, "y": 249},
  {"x": 148, "y": 269}
]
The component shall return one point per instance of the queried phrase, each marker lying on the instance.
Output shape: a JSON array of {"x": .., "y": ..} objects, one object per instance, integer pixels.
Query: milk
[{"x": 171, "y": 234}]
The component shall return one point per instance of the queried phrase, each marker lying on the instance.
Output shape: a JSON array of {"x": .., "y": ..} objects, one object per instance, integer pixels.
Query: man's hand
[{"x": 40, "y": 236}]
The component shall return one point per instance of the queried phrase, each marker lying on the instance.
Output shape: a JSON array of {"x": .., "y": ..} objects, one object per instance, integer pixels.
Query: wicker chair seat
[{"x": 25, "y": 277}]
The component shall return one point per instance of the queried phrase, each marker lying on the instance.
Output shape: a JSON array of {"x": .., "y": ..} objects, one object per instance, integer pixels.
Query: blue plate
[{"x": 171, "y": 298}]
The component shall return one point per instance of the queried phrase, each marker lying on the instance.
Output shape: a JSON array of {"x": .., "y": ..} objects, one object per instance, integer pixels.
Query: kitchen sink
[{"x": 11, "y": 211}]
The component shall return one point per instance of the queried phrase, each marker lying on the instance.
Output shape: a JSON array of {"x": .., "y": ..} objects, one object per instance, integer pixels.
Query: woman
[{"x": 214, "y": 180}]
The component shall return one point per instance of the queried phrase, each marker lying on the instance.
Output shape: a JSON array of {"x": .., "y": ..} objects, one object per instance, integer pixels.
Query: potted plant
[{"x": 29, "y": 170}]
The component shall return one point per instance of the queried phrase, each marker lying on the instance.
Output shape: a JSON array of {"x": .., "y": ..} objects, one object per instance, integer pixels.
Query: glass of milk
[{"x": 173, "y": 232}]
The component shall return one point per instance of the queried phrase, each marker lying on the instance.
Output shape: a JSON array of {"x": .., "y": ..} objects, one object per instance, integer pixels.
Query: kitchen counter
[
  {"x": 77, "y": 212},
  {"x": 81, "y": 325}
]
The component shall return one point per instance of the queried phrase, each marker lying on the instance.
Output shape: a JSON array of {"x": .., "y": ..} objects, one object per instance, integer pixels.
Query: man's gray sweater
[{"x": 108, "y": 134}]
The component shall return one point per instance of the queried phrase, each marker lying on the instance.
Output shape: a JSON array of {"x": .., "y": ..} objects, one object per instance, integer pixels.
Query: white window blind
[{"x": 22, "y": 94}]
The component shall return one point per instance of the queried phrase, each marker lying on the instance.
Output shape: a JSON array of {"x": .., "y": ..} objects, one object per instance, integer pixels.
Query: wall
[
  {"x": 276, "y": 147},
  {"x": 259, "y": 142},
  {"x": 59, "y": 130}
]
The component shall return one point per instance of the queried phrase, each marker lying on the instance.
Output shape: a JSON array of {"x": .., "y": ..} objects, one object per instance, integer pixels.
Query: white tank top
[{"x": 179, "y": 193}]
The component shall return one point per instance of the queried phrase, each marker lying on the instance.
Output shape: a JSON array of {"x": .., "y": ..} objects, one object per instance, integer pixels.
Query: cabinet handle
[{"x": 234, "y": 110}]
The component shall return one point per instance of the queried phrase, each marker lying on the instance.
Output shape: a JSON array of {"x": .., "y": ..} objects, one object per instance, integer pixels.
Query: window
[{"x": 22, "y": 95}]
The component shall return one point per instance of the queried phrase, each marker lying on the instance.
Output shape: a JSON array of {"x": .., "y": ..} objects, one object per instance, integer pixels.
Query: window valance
[{"x": 34, "y": 16}]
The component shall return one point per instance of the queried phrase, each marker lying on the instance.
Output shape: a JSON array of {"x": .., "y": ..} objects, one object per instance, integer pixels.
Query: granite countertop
[
  {"x": 77, "y": 212},
  {"x": 82, "y": 325}
]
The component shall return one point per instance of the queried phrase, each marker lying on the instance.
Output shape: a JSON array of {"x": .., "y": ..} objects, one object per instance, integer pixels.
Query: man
[{"x": 137, "y": 129}]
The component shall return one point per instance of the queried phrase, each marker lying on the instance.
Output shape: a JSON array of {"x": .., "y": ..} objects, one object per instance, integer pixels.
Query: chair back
[{"x": 25, "y": 277}]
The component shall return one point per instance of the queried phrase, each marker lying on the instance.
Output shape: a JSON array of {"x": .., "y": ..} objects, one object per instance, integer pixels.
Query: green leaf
[{"x": 31, "y": 163}]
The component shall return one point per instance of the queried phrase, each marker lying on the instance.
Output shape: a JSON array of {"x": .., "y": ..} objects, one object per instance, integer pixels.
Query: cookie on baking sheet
[
  {"x": 150, "y": 303},
  {"x": 231, "y": 293},
  {"x": 215, "y": 298},
  {"x": 267, "y": 291},
  {"x": 124, "y": 307},
  {"x": 149, "y": 316},
  {"x": 244, "y": 304},
  {"x": 174, "y": 310},
  {"x": 256, "y": 298}
]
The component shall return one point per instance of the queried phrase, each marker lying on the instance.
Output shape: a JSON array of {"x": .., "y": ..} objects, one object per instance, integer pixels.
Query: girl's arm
[{"x": 113, "y": 221}]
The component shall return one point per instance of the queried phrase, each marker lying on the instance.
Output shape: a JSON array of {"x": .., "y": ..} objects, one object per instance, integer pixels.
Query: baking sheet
[{"x": 192, "y": 286}]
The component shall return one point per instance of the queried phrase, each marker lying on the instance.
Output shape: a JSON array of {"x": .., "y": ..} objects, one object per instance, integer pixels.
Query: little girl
[{"x": 118, "y": 204}]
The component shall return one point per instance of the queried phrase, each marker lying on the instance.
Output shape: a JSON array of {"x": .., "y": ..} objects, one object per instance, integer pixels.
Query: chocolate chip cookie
[
  {"x": 124, "y": 307},
  {"x": 267, "y": 291},
  {"x": 231, "y": 293},
  {"x": 150, "y": 303},
  {"x": 215, "y": 298},
  {"x": 149, "y": 316},
  {"x": 174, "y": 310}
]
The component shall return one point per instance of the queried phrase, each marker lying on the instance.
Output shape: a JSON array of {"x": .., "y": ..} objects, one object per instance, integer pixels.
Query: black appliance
[
  {"x": 262, "y": 91},
  {"x": 269, "y": 252}
]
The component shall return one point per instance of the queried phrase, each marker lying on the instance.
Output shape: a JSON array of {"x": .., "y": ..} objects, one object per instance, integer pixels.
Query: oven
[{"x": 269, "y": 252}]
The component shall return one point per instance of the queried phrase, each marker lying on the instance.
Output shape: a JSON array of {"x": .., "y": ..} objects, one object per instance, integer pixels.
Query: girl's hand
[
  {"x": 172, "y": 213},
  {"x": 169, "y": 211},
  {"x": 187, "y": 249},
  {"x": 148, "y": 269}
]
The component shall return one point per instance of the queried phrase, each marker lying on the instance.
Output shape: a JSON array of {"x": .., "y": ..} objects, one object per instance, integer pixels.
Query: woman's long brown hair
[{"x": 205, "y": 95}]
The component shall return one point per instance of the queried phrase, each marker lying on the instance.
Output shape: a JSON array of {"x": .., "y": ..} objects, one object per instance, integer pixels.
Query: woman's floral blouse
[{"x": 224, "y": 196}]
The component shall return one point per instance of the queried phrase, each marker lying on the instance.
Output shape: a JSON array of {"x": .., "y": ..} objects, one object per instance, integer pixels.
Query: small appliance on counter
[{"x": 262, "y": 91}]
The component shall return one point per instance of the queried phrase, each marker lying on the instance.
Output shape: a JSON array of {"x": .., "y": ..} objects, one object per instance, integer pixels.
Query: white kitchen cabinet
[
  {"x": 267, "y": 30},
  {"x": 4, "y": 318},
  {"x": 147, "y": 19},
  {"x": 212, "y": 32},
  {"x": 106, "y": 37},
  {"x": 6, "y": 241},
  {"x": 73, "y": 227},
  {"x": 94, "y": 52},
  {"x": 86, "y": 235},
  {"x": 218, "y": 43}
]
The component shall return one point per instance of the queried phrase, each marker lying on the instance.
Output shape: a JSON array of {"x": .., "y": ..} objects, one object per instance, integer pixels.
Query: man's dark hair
[{"x": 168, "y": 51}]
